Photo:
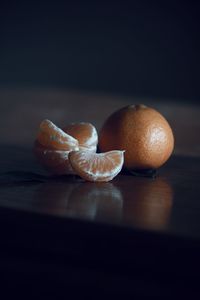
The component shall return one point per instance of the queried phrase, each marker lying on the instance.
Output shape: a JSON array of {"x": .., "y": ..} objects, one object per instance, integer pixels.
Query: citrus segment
[
  {"x": 85, "y": 133},
  {"x": 96, "y": 166},
  {"x": 54, "y": 161},
  {"x": 52, "y": 137}
]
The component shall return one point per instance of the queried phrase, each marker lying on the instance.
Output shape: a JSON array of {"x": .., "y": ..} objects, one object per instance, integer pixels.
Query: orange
[
  {"x": 85, "y": 133},
  {"x": 52, "y": 137},
  {"x": 96, "y": 166},
  {"x": 142, "y": 132}
]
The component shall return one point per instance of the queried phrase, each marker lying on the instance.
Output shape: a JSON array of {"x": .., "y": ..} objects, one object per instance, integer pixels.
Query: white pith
[{"x": 93, "y": 139}]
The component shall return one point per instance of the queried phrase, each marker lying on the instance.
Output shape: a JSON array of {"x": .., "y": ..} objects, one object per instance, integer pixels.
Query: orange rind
[{"x": 142, "y": 132}]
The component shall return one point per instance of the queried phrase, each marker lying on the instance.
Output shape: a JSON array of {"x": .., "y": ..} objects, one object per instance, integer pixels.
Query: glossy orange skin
[{"x": 142, "y": 132}]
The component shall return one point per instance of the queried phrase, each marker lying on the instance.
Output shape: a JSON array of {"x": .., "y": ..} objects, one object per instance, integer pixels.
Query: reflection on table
[{"x": 144, "y": 203}]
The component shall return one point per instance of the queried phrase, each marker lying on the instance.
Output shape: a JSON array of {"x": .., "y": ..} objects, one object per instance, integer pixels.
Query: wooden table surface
[{"x": 133, "y": 236}]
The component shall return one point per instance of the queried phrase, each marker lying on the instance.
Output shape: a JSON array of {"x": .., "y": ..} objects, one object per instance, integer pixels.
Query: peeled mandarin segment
[
  {"x": 85, "y": 133},
  {"x": 97, "y": 166},
  {"x": 54, "y": 161},
  {"x": 52, "y": 137}
]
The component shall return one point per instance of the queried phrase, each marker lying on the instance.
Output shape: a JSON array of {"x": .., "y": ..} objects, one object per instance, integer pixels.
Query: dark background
[{"x": 141, "y": 49}]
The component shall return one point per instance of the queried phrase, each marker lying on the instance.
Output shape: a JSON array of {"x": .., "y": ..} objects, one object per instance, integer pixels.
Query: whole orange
[{"x": 142, "y": 132}]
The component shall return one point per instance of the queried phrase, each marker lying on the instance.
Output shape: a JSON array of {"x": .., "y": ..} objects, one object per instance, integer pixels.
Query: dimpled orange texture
[
  {"x": 142, "y": 132},
  {"x": 52, "y": 137},
  {"x": 96, "y": 166},
  {"x": 85, "y": 133}
]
